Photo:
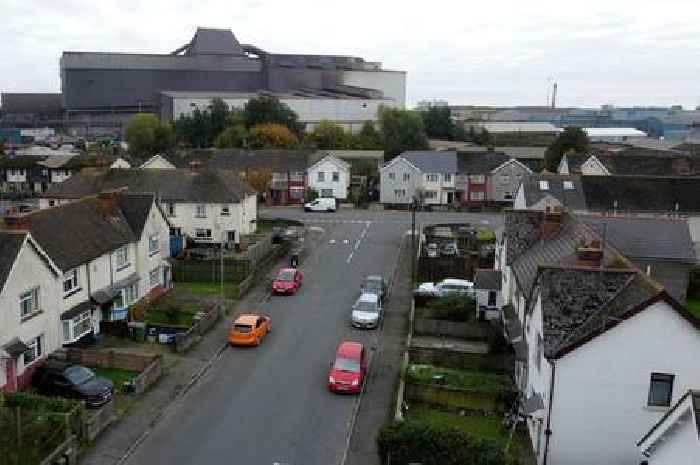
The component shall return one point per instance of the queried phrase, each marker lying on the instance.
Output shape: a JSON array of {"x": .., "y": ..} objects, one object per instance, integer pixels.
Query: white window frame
[
  {"x": 72, "y": 278},
  {"x": 130, "y": 294},
  {"x": 477, "y": 178},
  {"x": 431, "y": 177},
  {"x": 568, "y": 185},
  {"x": 406, "y": 177},
  {"x": 477, "y": 196},
  {"x": 84, "y": 319},
  {"x": 36, "y": 347},
  {"x": 225, "y": 210},
  {"x": 544, "y": 185},
  {"x": 155, "y": 272},
  {"x": 200, "y": 210},
  {"x": 336, "y": 176},
  {"x": 321, "y": 176},
  {"x": 206, "y": 236},
  {"x": 447, "y": 177},
  {"x": 171, "y": 209},
  {"x": 153, "y": 245},
  {"x": 430, "y": 195},
  {"x": 31, "y": 295},
  {"x": 392, "y": 176},
  {"x": 121, "y": 258}
]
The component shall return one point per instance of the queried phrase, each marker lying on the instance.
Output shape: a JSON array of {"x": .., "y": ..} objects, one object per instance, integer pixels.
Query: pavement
[{"x": 270, "y": 405}]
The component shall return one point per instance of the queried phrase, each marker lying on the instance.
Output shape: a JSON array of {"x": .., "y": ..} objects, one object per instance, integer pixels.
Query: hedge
[{"x": 406, "y": 442}]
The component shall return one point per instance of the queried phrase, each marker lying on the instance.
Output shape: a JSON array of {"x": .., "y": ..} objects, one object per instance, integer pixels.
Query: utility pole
[
  {"x": 414, "y": 205},
  {"x": 221, "y": 274}
]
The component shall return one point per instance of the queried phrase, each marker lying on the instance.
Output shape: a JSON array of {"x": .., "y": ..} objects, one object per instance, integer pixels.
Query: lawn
[
  {"x": 479, "y": 426},
  {"x": 694, "y": 306},
  {"x": 208, "y": 289},
  {"x": 117, "y": 376},
  {"x": 461, "y": 379}
]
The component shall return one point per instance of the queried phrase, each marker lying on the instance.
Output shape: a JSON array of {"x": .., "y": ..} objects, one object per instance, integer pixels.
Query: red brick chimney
[
  {"x": 107, "y": 202},
  {"x": 194, "y": 165},
  {"x": 17, "y": 222},
  {"x": 590, "y": 255},
  {"x": 551, "y": 224}
]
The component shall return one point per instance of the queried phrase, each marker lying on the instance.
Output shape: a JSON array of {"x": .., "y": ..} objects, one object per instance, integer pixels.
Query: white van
[{"x": 321, "y": 204}]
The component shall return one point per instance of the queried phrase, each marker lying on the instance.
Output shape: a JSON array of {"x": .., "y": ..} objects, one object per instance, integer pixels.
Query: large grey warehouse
[{"x": 104, "y": 89}]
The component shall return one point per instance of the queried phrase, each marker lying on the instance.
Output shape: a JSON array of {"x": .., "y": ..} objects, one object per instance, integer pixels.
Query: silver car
[{"x": 367, "y": 311}]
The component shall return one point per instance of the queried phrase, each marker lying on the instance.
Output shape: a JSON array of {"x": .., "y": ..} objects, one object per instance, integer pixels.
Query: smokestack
[
  {"x": 590, "y": 255},
  {"x": 554, "y": 96}
]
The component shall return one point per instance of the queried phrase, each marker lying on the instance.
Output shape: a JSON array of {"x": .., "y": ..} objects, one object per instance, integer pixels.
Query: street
[{"x": 270, "y": 404}]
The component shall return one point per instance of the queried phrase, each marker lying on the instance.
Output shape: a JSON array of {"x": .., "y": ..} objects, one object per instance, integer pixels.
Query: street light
[{"x": 413, "y": 207}]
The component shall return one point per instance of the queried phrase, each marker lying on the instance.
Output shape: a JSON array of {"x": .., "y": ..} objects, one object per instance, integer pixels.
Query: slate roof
[
  {"x": 17, "y": 102},
  {"x": 487, "y": 279},
  {"x": 276, "y": 161},
  {"x": 519, "y": 153},
  {"x": 432, "y": 162},
  {"x": 177, "y": 185},
  {"x": 571, "y": 198},
  {"x": 639, "y": 237},
  {"x": 641, "y": 193},
  {"x": 479, "y": 162},
  {"x": 135, "y": 208},
  {"x": 10, "y": 246},
  {"x": 639, "y": 165}
]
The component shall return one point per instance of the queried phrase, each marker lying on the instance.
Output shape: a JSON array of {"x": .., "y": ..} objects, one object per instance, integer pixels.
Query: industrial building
[{"x": 104, "y": 89}]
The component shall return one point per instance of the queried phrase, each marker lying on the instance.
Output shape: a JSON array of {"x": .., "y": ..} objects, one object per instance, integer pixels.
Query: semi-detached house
[
  {"x": 205, "y": 205},
  {"x": 78, "y": 264},
  {"x": 602, "y": 350},
  {"x": 427, "y": 176}
]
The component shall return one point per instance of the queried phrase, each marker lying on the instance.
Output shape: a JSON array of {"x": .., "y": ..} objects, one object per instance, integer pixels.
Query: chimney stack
[
  {"x": 107, "y": 202},
  {"x": 590, "y": 255},
  {"x": 18, "y": 222},
  {"x": 551, "y": 224},
  {"x": 194, "y": 165}
]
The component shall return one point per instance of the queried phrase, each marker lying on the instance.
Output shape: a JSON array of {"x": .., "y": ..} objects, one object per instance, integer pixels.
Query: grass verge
[
  {"x": 461, "y": 379},
  {"x": 117, "y": 376}
]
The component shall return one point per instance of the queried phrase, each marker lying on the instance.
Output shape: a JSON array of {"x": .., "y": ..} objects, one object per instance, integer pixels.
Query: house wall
[
  {"x": 28, "y": 272},
  {"x": 482, "y": 299},
  {"x": 70, "y": 300},
  {"x": 145, "y": 261},
  {"x": 600, "y": 399},
  {"x": 431, "y": 186},
  {"x": 59, "y": 175},
  {"x": 680, "y": 447},
  {"x": 239, "y": 219},
  {"x": 339, "y": 188},
  {"x": 504, "y": 182},
  {"x": 448, "y": 183},
  {"x": 388, "y": 186},
  {"x": 694, "y": 227},
  {"x": 17, "y": 175}
]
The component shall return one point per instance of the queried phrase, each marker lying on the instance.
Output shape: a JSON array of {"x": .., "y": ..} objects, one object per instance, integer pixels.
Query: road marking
[
  {"x": 345, "y": 241},
  {"x": 332, "y": 241},
  {"x": 357, "y": 244},
  {"x": 349, "y": 257}
]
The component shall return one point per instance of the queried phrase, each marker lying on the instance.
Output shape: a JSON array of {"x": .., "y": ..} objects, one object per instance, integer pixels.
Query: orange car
[{"x": 249, "y": 330}]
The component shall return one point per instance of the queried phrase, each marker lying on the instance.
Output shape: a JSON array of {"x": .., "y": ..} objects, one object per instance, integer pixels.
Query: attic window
[
  {"x": 544, "y": 185},
  {"x": 568, "y": 185}
]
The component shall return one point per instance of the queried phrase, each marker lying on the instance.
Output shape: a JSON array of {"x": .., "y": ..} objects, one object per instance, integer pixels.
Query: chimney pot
[{"x": 107, "y": 202}]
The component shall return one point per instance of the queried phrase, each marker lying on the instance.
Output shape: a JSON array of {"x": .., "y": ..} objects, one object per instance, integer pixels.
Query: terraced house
[
  {"x": 428, "y": 176},
  {"x": 70, "y": 267}
]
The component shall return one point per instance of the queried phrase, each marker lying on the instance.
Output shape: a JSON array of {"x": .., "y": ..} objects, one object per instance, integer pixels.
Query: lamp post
[{"x": 413, "y": 207}]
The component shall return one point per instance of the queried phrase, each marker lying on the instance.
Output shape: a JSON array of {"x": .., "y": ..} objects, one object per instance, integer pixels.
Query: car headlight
[
  {"x": 331, "y": 380},
  {"x": 355, "y": 382}
]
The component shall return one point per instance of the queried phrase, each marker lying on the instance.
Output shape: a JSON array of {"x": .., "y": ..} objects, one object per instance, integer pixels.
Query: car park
[
  {"x": 64, "y": 379},
  {"x": 288, "y": 281},
  {"x": 375, "y": 284},
  {"x": 249, "y": 329},
  {"x": 432, "y": 250},
  {"x": 367, "y": 311},
  {"x": 446, "y": 287},
  {"x": 347, "y": 373},
  {"x": 321, "y": 204}
]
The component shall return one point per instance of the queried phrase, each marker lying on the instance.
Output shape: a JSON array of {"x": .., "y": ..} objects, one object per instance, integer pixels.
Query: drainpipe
[{"x": 548, "y": 431}]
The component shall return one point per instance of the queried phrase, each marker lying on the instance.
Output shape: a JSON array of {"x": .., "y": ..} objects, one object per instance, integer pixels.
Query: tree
[
  {"x": 401, "y": 130},
  {"x": 271, "y": 136},
  {"x": 259, "y": 179},
  {"x": 368, "y": 138},
  {"x": 232, "y": 137},
  {"x": 328, "y": 136},
  {"x": 438, "y": 123},
  {"x": 147, "y": 136},
  {"x": 571, "y": 140},
  {"x": 268, "y": 109}
]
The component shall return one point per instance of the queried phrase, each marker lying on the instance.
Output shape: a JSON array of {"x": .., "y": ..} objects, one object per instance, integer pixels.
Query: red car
[
  {"x": 348, "y": 371},
  {"x": 288, "y": 281}
]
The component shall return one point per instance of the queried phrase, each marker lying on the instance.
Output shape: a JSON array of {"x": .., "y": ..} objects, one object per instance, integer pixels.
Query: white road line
[
  {"x": 345, "y": 241},
  {"x": 357, "y": 244},
  {"x": 332, "y": 241},
  {"x": 349, "y": 257}
]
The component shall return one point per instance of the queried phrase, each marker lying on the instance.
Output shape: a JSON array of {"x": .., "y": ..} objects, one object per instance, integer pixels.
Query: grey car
[{"x": 375, "y": 284}]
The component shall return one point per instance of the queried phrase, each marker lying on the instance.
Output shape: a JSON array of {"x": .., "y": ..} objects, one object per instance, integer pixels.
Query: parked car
[
  {"x": 367, "y": 311},
  {"x": 322, "y": 204},
  {"x": 348, "y": 370},
  {"x": 375, "y": 284},
  {"x": 449, "y": 249},
  {"x": 446, "y": 287},
  {"x": 249, "y": 330},
  {"x": 432, "y": 250},
  {"x": 57, "y": 378},
  {"x": 288, "y": 281}
]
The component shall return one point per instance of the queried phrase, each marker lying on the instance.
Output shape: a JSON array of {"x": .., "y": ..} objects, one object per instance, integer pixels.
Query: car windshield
[
  {"x": 285, "y": 275},
  {"x": 364, "y": 306},
  {"x": 373, "y": 284},
  {"x": 79, "y": 375},
  {"x": 242, "y": 328},
  {"x": 346, "y": 364}
]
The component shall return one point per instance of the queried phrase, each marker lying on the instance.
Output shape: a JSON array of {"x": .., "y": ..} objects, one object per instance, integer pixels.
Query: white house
[
  {"x": 28, "y": 323},
  {"x": 330, "y": 177},
  {"x": 675, "y": 438},
  {"x": 489, "y": 298},
  {"x": 207, "y": 206},
  {"x": 595, "y": 373}
]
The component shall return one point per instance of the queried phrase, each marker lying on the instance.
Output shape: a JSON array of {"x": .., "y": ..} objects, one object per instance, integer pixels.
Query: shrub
[
  {"x": 401, "y": 443},
  {"x": 452, "y": 308}
]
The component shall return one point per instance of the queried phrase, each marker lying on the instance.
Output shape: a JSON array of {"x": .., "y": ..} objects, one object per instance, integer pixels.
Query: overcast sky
[{"x": 496, "y": 52}]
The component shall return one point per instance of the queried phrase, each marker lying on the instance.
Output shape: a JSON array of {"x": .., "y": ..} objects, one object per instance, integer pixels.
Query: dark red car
[
  {"x": 288, "y": 281},
  {"x": 348, "y": 370}
]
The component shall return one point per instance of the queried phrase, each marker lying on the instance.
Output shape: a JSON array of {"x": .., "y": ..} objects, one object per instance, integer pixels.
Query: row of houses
[
  {"x": 605, "y": 356},
  {"x": 472, "y": 179},
  {"x": 67, "y": 269}
]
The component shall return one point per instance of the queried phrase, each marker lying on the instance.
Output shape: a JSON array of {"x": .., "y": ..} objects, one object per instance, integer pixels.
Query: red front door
[{"x": 11, "y": 374}]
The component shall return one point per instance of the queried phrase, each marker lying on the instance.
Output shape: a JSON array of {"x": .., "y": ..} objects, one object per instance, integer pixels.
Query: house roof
[
  {"x": 10, "y": 246},
  {"x": 80, "y": 231},
  {"x": 487, "y": 279},
  {"x": 640, "y": 237},
  {"x": 432, "y": 162},
  {"x": 183, "y": 185},
  {"x": 479, "y": 162},
  {"x": 520, "y": 153},
  {"x": 557, "y": 186},
  {"x": 692, "y": 396},
  {"x": 641, "y": 193},
  {"x": 276, "y": 161},
  {"x": 340, "y": 163},
  {"x": 135, "y": 208},
  {"x": 18, "y": 102},
  {"x": 645, "y": 165}
]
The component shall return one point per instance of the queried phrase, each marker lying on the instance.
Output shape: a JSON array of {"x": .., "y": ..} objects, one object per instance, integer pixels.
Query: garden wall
[
  {"x": 96, "y": 421},
  {"x": 453, "y": 398},
  {"x": 493, "y": 363},
  {"x": 185, "y": 340},
  {"x": 475, "y": 331}
]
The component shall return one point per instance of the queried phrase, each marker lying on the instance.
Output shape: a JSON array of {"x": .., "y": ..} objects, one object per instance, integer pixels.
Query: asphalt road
[{"x": 270, "y": 404}]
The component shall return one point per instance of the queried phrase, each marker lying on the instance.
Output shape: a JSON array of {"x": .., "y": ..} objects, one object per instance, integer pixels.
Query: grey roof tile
[
  {"x": 10, "y": 246},
  {"x": 487, "y": 279},
  {"x": 433, "y": 162}
]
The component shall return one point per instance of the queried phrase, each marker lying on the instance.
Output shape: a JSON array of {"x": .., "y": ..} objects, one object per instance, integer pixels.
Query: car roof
[
  {"x": 349, "y": 349},
  {"x": 460, "y": 282},
  {"x": 368, "y": 297},
  {"x": 247, "y": 318},
  {"x": 288, "y": 269},
  {"x": 372, "y": 277}
]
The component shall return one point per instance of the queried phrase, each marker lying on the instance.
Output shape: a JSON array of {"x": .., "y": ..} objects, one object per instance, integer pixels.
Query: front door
[
  {"x": 450, "y": 198},
  {"x": 231, "y": 236},
  {"x": 11, "y": 374}
]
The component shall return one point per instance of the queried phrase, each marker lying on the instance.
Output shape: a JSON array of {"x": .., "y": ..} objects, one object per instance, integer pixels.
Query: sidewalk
[
  {"x": 182, "y": 371},
  {"x": 377, "y": 405}
]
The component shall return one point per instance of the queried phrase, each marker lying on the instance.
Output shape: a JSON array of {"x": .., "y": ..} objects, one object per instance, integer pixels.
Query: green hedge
[
  {"x": 450, "y": 308},
  {"x": 406, "y": 442}
]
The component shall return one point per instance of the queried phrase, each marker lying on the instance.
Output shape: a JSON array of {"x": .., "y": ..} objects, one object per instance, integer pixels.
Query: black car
[
  {"x": 375, "y": 284},
  {"x": 74, "y": 381}
]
